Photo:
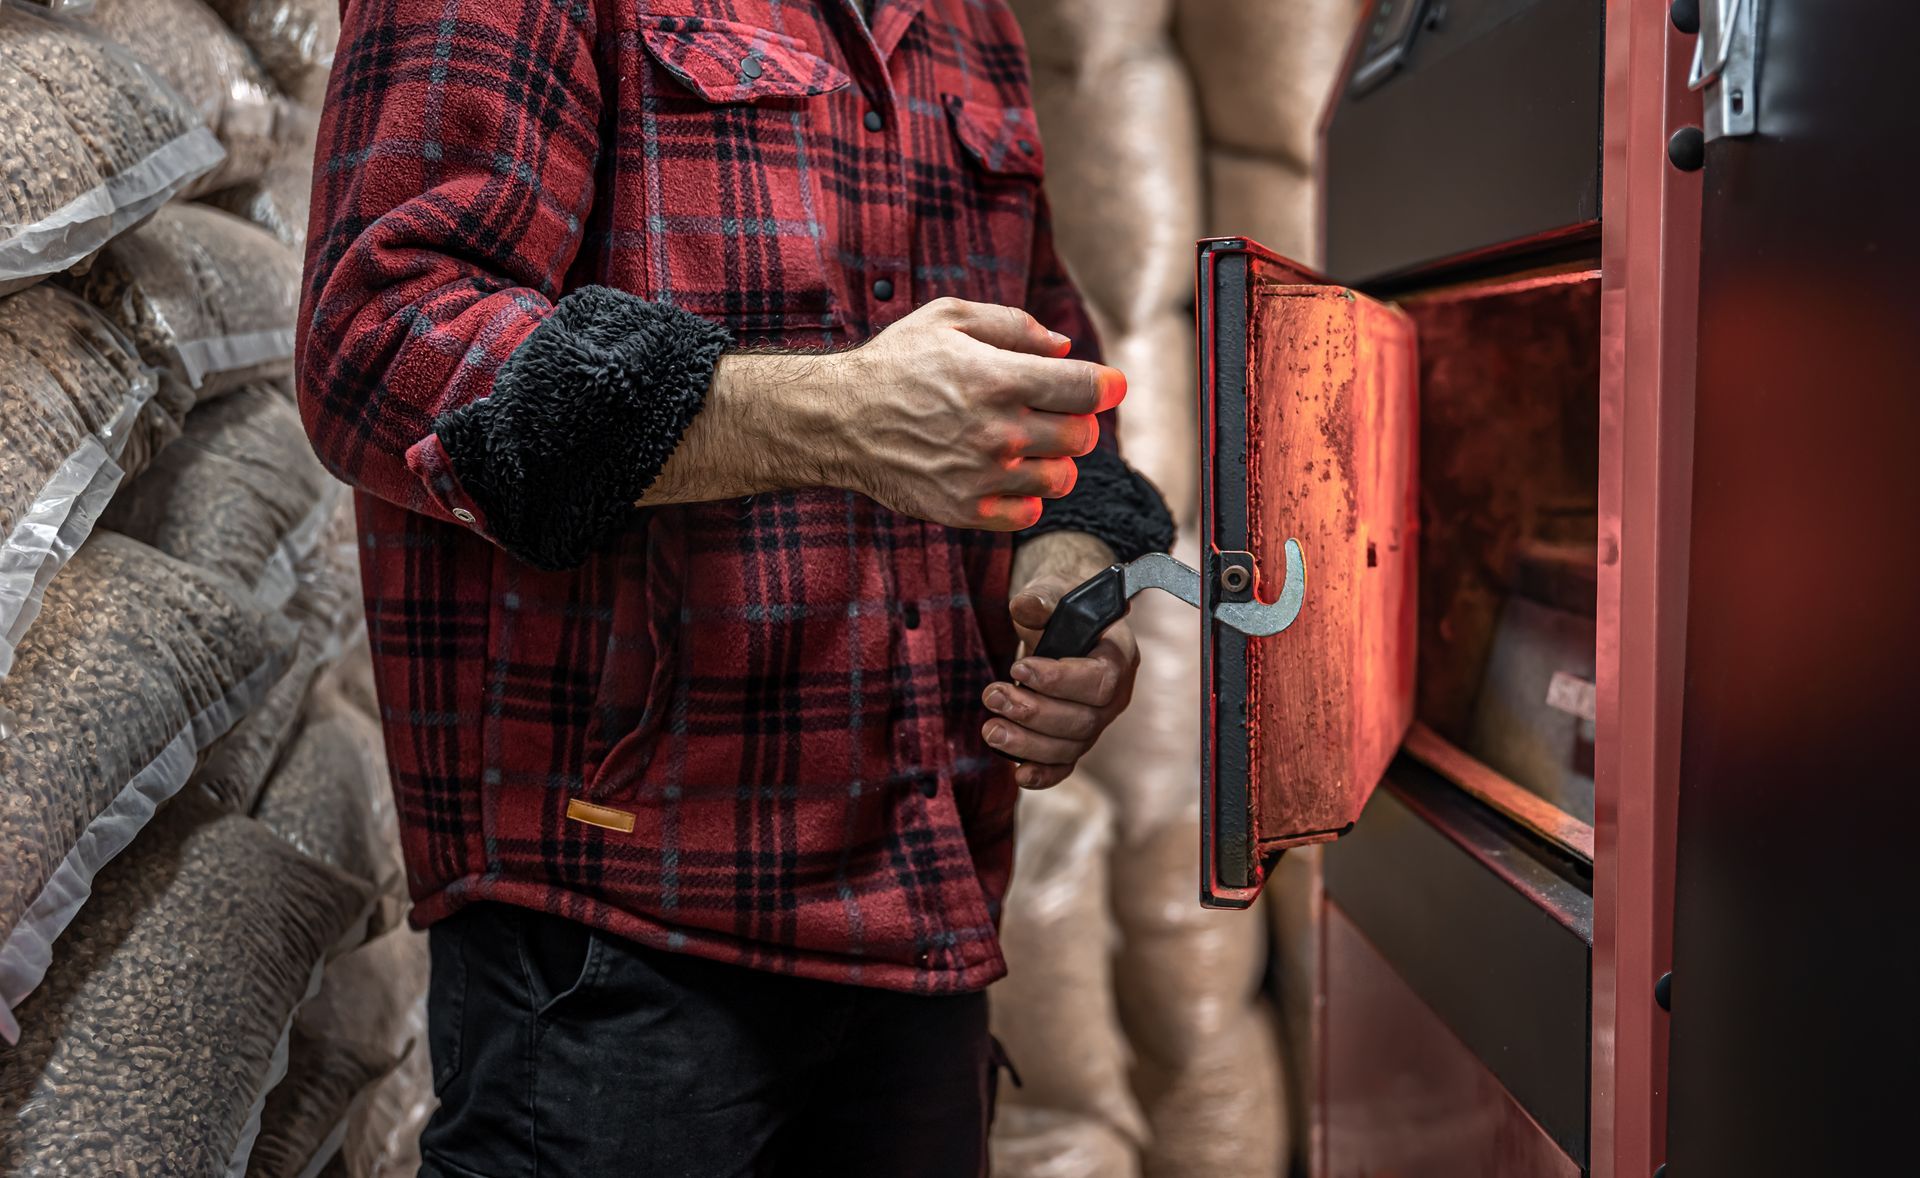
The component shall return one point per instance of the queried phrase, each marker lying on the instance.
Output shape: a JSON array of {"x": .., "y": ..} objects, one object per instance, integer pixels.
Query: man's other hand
[
  {"x": 1054, "y": 709},
  {"x": 968, "y": 414}
]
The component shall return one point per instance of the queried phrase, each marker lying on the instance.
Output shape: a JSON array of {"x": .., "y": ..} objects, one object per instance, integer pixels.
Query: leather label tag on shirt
[{"x": 594, "y": 815}]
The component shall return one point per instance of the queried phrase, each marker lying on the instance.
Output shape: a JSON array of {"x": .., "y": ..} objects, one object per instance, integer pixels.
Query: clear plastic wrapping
[
  {"x": 281, "y": 198},
  {"x": 327, "y": 602},
  {"x": 236, "y": 767},
  {"x": 1223, "y": 1109},
  {"x": 91, "y": 142},
  {"x": 212, "y": 68},
  {"x": 71, "y": 392},
  {"x": 142, "y": 1057},
  {"x": 1054, "y": 1011},
  {"x": 240, "y": 493},
  {"x": 321, "y": 798},
  {"x": 1048, "y": 1143},
  {"x": 138, "y": 661},
  {"x": 157, "y": 427},
  {"x": 294, "y": 39},
  {"x": 305, "y": 1116},
  {"x": 376, "y": 998},
  {"x": 205, "y": 295},
  {"x": 1184, "y": 973}
]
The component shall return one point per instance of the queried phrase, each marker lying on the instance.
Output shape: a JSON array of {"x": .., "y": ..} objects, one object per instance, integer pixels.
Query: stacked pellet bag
[
  {"x": 1164, "y": 120},
  {"x": 202, "y": 950},
  {"x": 1264, "y": 70}
]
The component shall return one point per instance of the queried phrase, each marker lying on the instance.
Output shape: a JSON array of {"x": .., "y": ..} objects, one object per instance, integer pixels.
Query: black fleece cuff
[
  {"x": 581, "y": 419},
  {"x": 1113, "y": 501}
]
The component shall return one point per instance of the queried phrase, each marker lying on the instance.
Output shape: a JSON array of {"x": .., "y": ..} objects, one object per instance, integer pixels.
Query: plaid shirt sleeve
[{"x": 441, "y": 371}]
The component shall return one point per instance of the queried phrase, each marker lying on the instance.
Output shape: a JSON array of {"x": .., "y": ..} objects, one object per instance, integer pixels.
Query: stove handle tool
[{"x": 1101, "y": 600}]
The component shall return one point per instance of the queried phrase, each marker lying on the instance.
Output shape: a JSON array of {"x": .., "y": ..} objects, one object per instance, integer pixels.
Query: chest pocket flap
[
  {"x": 725, "y": 61},
  {"x": 1002, "y": 139}
]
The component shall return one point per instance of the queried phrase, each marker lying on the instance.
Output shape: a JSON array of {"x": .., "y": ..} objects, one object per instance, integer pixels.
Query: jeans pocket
[
  {"x": 560, "y": 957},
  {"x": 446, "y": 999}
]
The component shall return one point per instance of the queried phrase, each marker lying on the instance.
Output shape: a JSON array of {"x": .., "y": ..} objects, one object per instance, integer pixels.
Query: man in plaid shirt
[{"x": 722, "y": 421}]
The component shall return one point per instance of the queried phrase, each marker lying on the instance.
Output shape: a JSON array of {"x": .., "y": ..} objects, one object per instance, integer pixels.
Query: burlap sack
[
  {"x": 1184, "y": 973},
  {"x": 1054, "y": 1011},
  {"x": 1047, "y": 1143},
  {"x": 1272, "y": 200},
  {"x": 1264, "y": 68},
  {"x": 1158, "y": 425},
  {"x": 1148, "y": 761},
  {"x": 1223, "y": 1111},
  {"x": 1123, "y": 175},
  {"x": 1086, "y": 36}
]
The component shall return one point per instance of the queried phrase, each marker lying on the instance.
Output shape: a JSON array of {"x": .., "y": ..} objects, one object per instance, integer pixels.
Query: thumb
[
  {"x": 1033, "y": 605},
  {"x": 1011, "y": 329}
]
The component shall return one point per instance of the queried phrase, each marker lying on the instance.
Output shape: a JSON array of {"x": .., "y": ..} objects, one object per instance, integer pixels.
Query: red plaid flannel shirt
[{"x": 783, "y": 693}]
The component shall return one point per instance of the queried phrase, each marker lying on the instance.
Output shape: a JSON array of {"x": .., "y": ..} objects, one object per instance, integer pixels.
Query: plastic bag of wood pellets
[
  {"x": 372, "y": 1002},
  {"x": 1144, "y": 761},
  {"x": 240, "y": 493},
  {"x": 323, "y": 798},
  {"x": 294, "y": 39},
  {"x": 158, "y": 426},
  {"x": 1265, "y": 69},
  {"x": 137, "y": 663},
  {"x": 1157, "y": 430},
  {"x": 350, "y": 679},
  {"x": 203, "y": 59},
  {"x": 1054, "y": 1010},
  {"x": 1184, "y": 973},
  {"x": 1274, "y": 201},
  {"x": 1047, "y": 1143},
  {"x": 141, "y": 1057},
  {"x": 91, "y": 142},
  {"x": 205, "y": 295},
  {"x": 305, "y": 1117},
  {"x": 71, "y": 391},
  {"x": 236, "y": 767},
  {"x": 1086, "y": 36},
  {"x": 383, "y": 1136},
  {"x": 67, "y": 7},
  {"x": 328, "y": 603},
  {"x": 1222, "y": 1111},
  {"x": 280, "y": 200},
  {"x": 1125, "y": 174}
]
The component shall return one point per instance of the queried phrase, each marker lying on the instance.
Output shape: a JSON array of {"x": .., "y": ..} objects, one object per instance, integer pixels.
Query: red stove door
[{"x": 1307, "y": 426}]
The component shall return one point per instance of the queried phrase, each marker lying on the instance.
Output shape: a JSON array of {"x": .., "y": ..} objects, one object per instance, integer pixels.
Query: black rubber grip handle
[{"x": 1084, "y": 614}]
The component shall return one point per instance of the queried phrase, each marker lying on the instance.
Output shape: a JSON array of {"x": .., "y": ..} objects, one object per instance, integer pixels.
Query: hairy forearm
[
  {"x": 1073, "y": 555},
  {"x": 768, "y": 425}
]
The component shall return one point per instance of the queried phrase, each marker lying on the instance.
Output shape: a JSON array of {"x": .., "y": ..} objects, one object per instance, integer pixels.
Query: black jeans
[{"x": 561, "y": 1052}]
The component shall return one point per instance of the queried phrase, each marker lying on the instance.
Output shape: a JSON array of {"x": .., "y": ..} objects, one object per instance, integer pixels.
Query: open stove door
[{"x": 1308, "y": 432}]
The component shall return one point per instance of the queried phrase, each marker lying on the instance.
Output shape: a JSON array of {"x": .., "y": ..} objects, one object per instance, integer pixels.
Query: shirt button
[
  {"x": 930, "y": 787},
  {"x": 911, "y": 616},
  {"x": 882, "y": 289},
  {"x": 874, "y": 122},
  {"x": 750, "y": 65},
  {"x": 463, "y": 515},
  {"x": 924, "y": 957}
]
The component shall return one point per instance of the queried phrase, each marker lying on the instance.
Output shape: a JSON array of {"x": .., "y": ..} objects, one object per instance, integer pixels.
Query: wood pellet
[{"x": 148, "y": 1044}]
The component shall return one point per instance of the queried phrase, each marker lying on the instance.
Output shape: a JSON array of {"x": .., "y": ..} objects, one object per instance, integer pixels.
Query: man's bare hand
[
  {"x": 1055, "y": 709},
  {"x": 966, "y": 414}
]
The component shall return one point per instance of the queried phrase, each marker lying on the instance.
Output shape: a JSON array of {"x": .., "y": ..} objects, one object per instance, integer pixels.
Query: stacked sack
[
  {"x": 202, "y": 950},
  {"x": 1117, "y": 107},
  {"x": 1163, "y": 119},
  {"x": 1264, "y": 72}
]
